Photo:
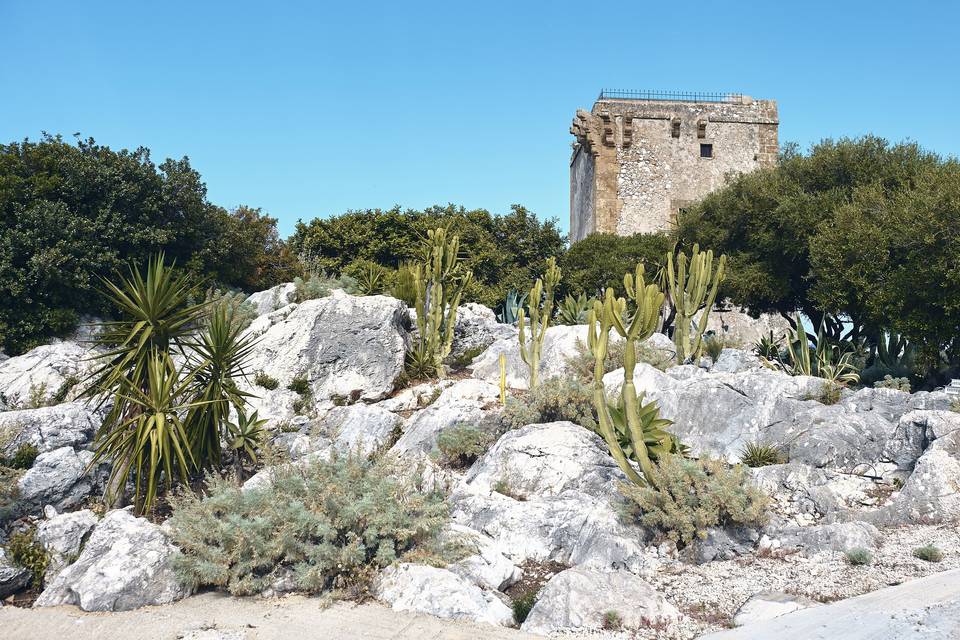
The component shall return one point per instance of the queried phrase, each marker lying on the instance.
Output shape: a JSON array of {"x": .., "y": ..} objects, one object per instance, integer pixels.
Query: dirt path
[{"x": 227, "y": 618}]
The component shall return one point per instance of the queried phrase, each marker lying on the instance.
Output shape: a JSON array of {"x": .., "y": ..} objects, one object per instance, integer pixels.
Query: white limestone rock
[
  {"x": 273, "y": 298},
  {"x": 477, "y": 328},
  {"x": 62, "y": 536},
  {"x": 359, "y": 428},
  {"x": 72, "y": 424},
  {"x": 12, "y": 577},
  {"x": 43, "y": 372},
  {"x": 768, "y": 605},
  {"x": 559, "y": 345},
  {"x": 439, "y": 592},
  {"x": 577, "y": 600},
  {"x": 462, "y": 403},
  {"x": 837, "y": 537},
  {"x": 58, "y": 478},
  {"x": 487, "y": 567},
  {"x": 127, "y": 563}
]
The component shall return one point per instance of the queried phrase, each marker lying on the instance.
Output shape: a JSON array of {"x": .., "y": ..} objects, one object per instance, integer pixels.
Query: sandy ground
[{"x": 213, "y": 616}]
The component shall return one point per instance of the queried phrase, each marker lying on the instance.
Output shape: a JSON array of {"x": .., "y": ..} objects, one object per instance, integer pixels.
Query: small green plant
[
  {"x": 334, "y": 523},
  {"x": 522, "y": 605},
  {"x": 928, "y": 553},
  {"x": 9, "y": 489},
  {"x": 858, "y": 556},
  {"x": 461, "y": 445},
  {"x": 420, "y": 364},
  {"x": 247, "y": 436},
  {"x": 288, "y": 427},
  {"x": 314, "y": 286},
  {"x": 38, "y": 396},
  {"x": 504, "y": 487},
  {"x": 955, "y": 405},
  {"x": 889, "y": 382},
  {"x": 574, "y": 310},
  {"x": 829, "y": 393},
  {"x": 464, "y": 359},
  {"x": 509, "y": 310},
  {"x": 768, "y": 348},
  {"x": 24, "y": 551},
  {"x": 404, "y": 285},
  {"x": 22, "y": 458},
  {"x": 269, "y": 383},
  {"x": 759, "y": 454},
  {"x": 713, "y": 345},
  {"x": 686, "y": 497},
  {"x": 370, "y": 278},
  {"x": 300, "y": 405},
  {"x": 612, "y": 620},
  {"x": 556, "y": 399},
  {"x": 300, "y": 385},
  {"x": 239, "y": 312},
  {"x": 64, "y": 389}
]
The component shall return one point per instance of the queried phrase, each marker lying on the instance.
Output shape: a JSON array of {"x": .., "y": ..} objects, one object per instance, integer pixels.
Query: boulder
[
  {"x": 838, "y": 537},
  {"x": 346, "y": 347},
  {"x": 462, "y": 403},
  {"x": 578, "y": 599},
  {"x": 58, "y": 478},
  {"x": 359, "y": 427},
  {"x": 545, "y": 460},
  {"x": 723, "y": 543},
  {"x": 735, "y": 361},
  {"x": 126, "y": 563},
  {"x": 45, "y": 375},
  {"x": 439, "y": 592},
  {"x": 914, "y": 433},
  {"x": 273, "y": 298},
  {"x": 487, "y": 566},
  {"x": 72, "y": 424},
  {"x": 12, "y": 577},
  {"x": 768, "y": 605},
  {"x": 801, "y": 490},
  {"x": 476, "y": 329},
  {"x": 559, "y": 345},
  {"x": 62, "y": 537}
]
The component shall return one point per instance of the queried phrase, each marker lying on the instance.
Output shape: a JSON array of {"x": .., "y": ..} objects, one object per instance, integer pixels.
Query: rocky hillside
[{"x": 861, "y": 485}]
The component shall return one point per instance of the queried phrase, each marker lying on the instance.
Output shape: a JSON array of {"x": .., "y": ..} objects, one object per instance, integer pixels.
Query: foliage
[
  {"x": 658, "y": 441},
  {"x": 22, "y": 458},
  {"x": 522, "y": 605},
  {"x": 574, "y": 310},
  {"x": 827, "y": 359},
  {"x": 858, "y": 556},
  {"x": 555, "y": 400},
  {"x": 687, "y": 497},
  {"x": 73, "y": 213},
  {"x": 892, "y": 356},
  {"x": 333, "y": 523},
  {"x": 612, "y": 620},
  {"x": 634, "y": 328},
  {"x": 692, "y": 287},
  {"x": 461, "y": 445},
  {"x": 314, "y": 286},
  {"x": 928, "y": 553},
  {"x": 509, "y": 310},
  {"x": 232, "y": 303},
  {"x": 404, "y": 285},
  {"x": 9, "y": 489},
  {"x": 261, "y": 379},
  {"x": 759, "y": 454},
  {"x": 440, "y": 281},
  {"x": 539, "y": 310},
  {"x": 768, "y": 348},
  {"x": 888, "y": 382},
  {"x": 299, "y": 385},
  {"x": 65, "y": 388},
  {"x": 804, "y": 236},
  {"x": 420, "y": 364},
  {"x": 713, "y": 345},
  {"x": 370, "y": 277},
  {"x": 598, "y": 262},
  {"x": 24, "y": 551},
  {"x": 246, "y": 436},
  {"x": 503, "y": 252}
]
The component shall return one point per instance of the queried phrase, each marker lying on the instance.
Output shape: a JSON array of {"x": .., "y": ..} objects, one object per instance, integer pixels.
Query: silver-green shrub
[
  {"x": 686, "y": 497},
  {"x": 554, "y": 400},
  {"x": 889, "y": 382},
  {"x": 333, "y": 524},
  {"x": 461, "y": 445}
]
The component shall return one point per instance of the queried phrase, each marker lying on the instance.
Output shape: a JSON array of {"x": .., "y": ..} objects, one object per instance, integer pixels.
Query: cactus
[
  {"x": 693, "y": 286},
  {"x": 640, "y": 436},
  {"x": 503, "y": 380},
  {"x": 439, "y": 282},
  {"x": 539, "y": 313}
]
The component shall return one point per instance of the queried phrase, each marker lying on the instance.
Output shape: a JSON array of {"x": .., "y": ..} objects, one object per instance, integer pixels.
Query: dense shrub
[
  {"x": 553, "y": 400},
  {"x": 858, "y": 556},
  {"x": 928, "y": 553},
  {"x": 503, "y": 252},
  {"x": 600, "y": 260},
  {"x": 461, "y": 445},
  {"x": 690, "y": 496},
  {"x": 333, "y": 524},
  {"x": 23, "y": 550},
  {"x": 70, "y": 214},
  {"x": 22, "y": 458}
]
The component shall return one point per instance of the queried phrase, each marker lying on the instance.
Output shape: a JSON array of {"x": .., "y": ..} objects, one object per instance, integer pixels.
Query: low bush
[
  {"x": 713, "y": 345},
  {"x": 313, "y": 286},
  {"x": 553, "y": 400},
  {"x": 300, "y": 385},
  {"x": 461, "y": 445},
  {"x": 687, "y": 497},
  {"x": 858, "y": 556},
  {"x": 269, "y": 383},
  {"x": 23, "y": 550},
  {"x": 928, "y": 553},
  {"x": 23, "y": 458},
  {"x": 332, "y": 524},
  {"x": 522, "y": 606},
  {"x": 889, "y": 382}
]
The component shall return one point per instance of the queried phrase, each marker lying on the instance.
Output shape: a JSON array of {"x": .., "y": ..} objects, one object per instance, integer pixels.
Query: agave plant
[
  {"x": 659, "y": 441},
  {"x": 245, "y": 437},
  {"x": 370, "y": 277},
  {"x": 768, "y": 348},
  {"x": 574, "y": 310},
  {"x": 509, "y": 311},
  {"x": 827, "y": 360}
]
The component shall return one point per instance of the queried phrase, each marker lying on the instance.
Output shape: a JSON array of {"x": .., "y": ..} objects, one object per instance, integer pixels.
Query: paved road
[
  {"x": 927, "y": 608},
  {"x": 290, "y": 618}
]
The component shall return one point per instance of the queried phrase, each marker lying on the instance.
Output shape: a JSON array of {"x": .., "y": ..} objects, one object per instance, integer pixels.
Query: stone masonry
[{"x": 639, "y": 161}]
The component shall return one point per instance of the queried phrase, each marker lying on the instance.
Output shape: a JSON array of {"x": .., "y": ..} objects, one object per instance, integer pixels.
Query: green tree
[{"x": 600, "y": 260}]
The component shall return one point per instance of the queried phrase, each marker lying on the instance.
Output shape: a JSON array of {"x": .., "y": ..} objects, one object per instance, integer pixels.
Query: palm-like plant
[
  {"x": 245, "y": 437},
  {"x": 216, "y": 359}
]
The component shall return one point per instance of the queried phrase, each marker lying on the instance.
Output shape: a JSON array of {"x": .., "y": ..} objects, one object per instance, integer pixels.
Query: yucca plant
[
  {"x": 768, "y": 348},
  {"x": 759, "y": 454},
  {"x": 148, "y": 441},
  {"x": 371, "y": 278},
  {"x": 217, "y": 358},
  {"x": 246, "y": 436}
]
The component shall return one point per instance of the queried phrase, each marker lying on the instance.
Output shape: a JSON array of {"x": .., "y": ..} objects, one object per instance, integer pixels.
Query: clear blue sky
[{"x": 309, "y": 109}]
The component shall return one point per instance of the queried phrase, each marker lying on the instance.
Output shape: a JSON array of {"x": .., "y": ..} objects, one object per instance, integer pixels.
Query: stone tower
[{"x": 641, "y": 157}]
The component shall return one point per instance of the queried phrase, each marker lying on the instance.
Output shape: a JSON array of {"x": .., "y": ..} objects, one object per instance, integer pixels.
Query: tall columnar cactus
[
  {"x": 640, "y": 422},
  {"x": 693, "y": 286},
  {"x": 439, "y": 280},
  {"x": 540, "y": 304},
  {"x": 503, "y": 380}
]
